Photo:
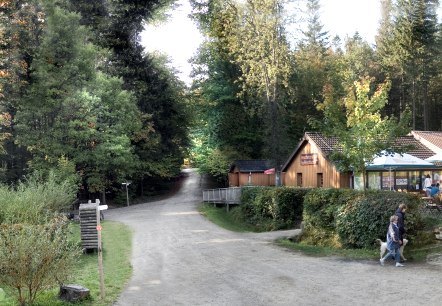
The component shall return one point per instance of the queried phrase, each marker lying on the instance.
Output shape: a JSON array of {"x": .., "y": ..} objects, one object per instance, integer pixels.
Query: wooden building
[
  {"x": 309, "y": 165},
  {"x": 250, "y": 172}
]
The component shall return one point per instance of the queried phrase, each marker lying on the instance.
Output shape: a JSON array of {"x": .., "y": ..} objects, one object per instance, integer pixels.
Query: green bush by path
[
  {"x": 352, "y": 218},
  {"x": 34, "y": 258},
  {"x": 321, "y": 206},
  {"x": 35, "y": 200},
  {"x": 272, "y": 208},
  {"x": 35, "y": 253},
  {"x": 117, "y": 251},
  {"x": 337, "y": 218}
]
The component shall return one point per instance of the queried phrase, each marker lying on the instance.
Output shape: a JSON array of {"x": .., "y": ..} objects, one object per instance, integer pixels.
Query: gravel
[{"x": 180, "y": 258}]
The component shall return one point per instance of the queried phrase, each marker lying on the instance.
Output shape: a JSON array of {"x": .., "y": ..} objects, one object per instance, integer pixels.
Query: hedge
[
  {"x": 332, "y": 217},
  {"x": 354, "y": 219},
  {"x": 272, "y": 208}
]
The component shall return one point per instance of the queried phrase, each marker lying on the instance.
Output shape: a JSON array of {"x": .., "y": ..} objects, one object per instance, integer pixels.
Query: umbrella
[
  {"x": 398, "y": 161},
  {"x": 435, "y": 158}
]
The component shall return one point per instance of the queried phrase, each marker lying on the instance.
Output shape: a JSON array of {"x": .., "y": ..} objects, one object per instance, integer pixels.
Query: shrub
[
  {"x": 320, "y": 209},
  {"x": 34, "y": 251},
  {"x": 35, "y": 199},
  {"x": 34, "y": 258},
  {"x": 366, "y": 218},
  {"x": 272, "y": 208},
  {"x": 351, "y": 218}
]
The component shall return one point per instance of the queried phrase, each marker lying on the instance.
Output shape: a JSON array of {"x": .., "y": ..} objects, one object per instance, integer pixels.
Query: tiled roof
[
  {"x": 431, "y": 139},
  {"x": 416, "y": 148},
  {"x": 326, "y": 144},
  {"x": 329, "y": 144},
  {"x": 253, "y": 165}
]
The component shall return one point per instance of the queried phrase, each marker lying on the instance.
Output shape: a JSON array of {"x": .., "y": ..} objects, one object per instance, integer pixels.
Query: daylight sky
[{"x": 179, "y": 38}]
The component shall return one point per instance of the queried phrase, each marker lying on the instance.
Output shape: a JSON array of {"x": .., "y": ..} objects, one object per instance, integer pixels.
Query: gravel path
[{"x": 180, "y": 258}]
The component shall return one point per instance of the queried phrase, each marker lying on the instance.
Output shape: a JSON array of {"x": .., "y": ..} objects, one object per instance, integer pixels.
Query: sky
[{"x": 179, "y": 38}]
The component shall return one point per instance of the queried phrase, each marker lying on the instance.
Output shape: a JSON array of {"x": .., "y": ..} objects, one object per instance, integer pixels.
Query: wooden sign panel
[{"x": 309, "y": 159}]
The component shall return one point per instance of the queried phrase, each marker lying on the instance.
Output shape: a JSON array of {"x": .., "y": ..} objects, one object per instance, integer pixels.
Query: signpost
[{"x": 127, "y": 192}]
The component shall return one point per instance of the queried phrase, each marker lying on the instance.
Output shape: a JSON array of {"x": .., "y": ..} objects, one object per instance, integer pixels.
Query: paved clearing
[{"x": 180, "y": 258}]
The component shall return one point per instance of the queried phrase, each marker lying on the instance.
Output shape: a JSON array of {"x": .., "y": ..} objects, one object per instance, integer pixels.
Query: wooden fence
[{"x": 227, "y": 196}]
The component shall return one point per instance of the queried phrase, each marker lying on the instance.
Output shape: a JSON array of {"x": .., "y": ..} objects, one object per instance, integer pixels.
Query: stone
[{"x": 73, "y": 293}]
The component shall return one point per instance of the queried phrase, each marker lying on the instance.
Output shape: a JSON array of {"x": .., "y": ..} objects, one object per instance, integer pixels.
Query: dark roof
[
  {"x": 325, "y": 144},
  {"x": 417, "y": 148},
  {"x": 329, "y": 144},
  {"x": 252, "y": 165}
]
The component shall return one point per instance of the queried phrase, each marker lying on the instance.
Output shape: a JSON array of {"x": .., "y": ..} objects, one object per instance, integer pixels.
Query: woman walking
[{"x": 393, "y": 242}]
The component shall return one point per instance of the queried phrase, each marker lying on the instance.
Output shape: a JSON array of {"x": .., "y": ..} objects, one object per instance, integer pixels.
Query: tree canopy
[{"x": 78, "y": 91}]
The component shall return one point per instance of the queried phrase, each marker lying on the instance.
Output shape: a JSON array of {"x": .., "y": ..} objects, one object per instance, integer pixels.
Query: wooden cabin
[
  {"x": 308, "y": 165},
  {"x": 250, "y": 172}
]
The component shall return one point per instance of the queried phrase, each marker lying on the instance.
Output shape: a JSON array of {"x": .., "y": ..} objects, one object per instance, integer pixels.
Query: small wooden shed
[{"x": 251, "y": 172}]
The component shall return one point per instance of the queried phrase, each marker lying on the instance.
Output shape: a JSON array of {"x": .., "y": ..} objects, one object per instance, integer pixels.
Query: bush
[
  {"x": 34, "y": 200},
  {"x": 321, "y": 206},
  {"x": 351, "y": 218},
  {"x": 35, "y": 253},
  {"x": 361, "y": 221},
  {"x": 272, "y": 208},
  {"x": 34, "y": 258}
]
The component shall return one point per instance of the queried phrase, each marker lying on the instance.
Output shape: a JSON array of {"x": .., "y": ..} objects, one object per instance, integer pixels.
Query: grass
[
  {"x": 116, "y": 238},
  {"x": 230, "y": 221},
  {"x": 321, "y": 251}
]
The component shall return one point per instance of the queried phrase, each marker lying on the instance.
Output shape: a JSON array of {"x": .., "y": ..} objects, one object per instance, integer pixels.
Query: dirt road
[{"x": 180, "y": 258}]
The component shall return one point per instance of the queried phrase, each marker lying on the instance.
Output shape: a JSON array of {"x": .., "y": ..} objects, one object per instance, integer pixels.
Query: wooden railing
[{"x": 227, "y": 196}]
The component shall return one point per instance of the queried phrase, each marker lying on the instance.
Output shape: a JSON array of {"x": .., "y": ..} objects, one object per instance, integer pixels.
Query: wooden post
[{"x": 100, "y": 253}]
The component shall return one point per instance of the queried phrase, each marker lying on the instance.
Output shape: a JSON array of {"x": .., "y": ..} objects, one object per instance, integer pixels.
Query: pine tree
[
  {"x": 407, "y": 51},
  {"x": 73, "y": 111},
  {"x": 256, "y": 38}
]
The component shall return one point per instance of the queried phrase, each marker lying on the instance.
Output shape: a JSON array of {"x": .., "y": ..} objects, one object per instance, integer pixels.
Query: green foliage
[
  {"x": 409, "y": 53},
  {"x": 363, "y": 132},
  {"x": 354, "y": 219},
  {"x": 271, "y": 208},
  {"x": 35, "y": 199},
  {"x": 319, "y": 215},
  {"x": 116, "y": 260},
  {"x": 34, "y": 258},
  {"x": 216, "y": 163},
  {"x": 220, "y": 126},
  {"x": 82, "y": 114},
  {"x": 255, "y": 35}
]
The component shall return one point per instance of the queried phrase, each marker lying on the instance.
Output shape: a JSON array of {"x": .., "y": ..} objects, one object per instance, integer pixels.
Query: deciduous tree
[{"x": 358, "y": 124}]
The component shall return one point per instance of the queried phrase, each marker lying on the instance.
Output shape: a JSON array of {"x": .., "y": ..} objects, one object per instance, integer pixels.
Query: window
[
  {"x": 388, "y": 180},
  {"x": 319, "y": 180},
  {"x": 374, "y": 180},
  {"x": 299, "y": 179}
]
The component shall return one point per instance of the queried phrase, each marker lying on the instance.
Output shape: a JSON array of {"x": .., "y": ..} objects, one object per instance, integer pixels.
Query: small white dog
[{"x": 383, "y": 248}]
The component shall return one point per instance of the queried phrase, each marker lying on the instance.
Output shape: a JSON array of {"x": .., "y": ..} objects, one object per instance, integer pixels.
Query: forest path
[{"x": 180, "y": 258}]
